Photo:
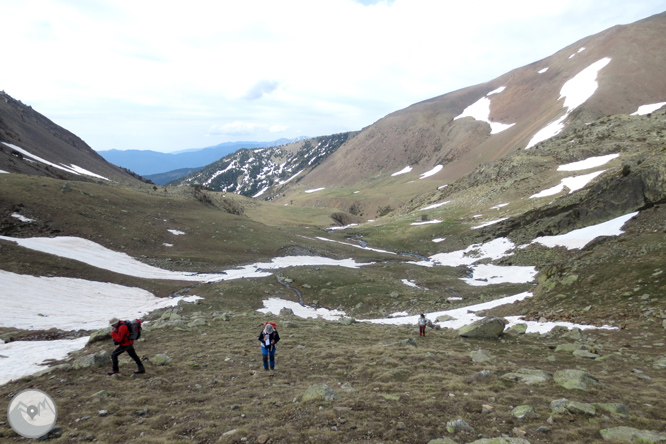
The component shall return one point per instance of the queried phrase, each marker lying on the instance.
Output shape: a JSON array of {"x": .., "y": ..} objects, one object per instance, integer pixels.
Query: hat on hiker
[
  {"x": 269, "y": 329},
  {"x": 114, "y": 321}
]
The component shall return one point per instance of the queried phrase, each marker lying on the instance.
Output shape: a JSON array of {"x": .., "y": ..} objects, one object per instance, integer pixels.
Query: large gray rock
[
  {"x": 101, "y": 359},
  {"x": 528, "y": 376},
  {"x": 319, "y": 391},
  {"x": 523, "y": 411},
  {"x": 629, "y": 434},
  {"x": 459, "y": 425},
  {"x": 481, "y": 356},
  {"x": 660, "y": 363},
  {"x": 575, "y": 379},
  {"x": 489, "y": 327},
  {"x": 160, "y": 359},
  {"x": 442, "y": 441},
  {"x": 100, "y": 335},
  {"x": 614, "y": 408},
  {"x": 501, "y": 441}
]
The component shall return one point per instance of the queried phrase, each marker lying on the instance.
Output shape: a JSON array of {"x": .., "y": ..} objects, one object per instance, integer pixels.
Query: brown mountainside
[
  {"x": 426, "y": 134},
  {"x": 25, "y": 128}
]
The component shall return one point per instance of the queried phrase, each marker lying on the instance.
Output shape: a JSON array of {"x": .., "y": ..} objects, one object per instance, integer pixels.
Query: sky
[{"x": 169, "y": 76}]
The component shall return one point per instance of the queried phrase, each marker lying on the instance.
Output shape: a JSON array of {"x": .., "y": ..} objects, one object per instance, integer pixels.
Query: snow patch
[
  {"x": 480, "y": 110},
  {"x": 575, "y": 92},
  {"x": 433, "y": 206},
  {"x": 577, "y": 239},
  {"x": 590, "y": 162},
  {"x": 573, "y": 183},
  {"x": 432, "y": 172},
  {"x": 22, "y": 218},
  {"x": 405, "y": 170},
  {"x": 176, "y": 232},
  {"x": 647, "y": 109},
  {"x": 492, "y": 222},
  {"x": 428, "y": 222},
  {"x": 314, "y": 190}
]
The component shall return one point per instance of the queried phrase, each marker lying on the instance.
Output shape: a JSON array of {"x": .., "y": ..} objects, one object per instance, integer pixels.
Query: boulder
[
  {"x": 581, "y": 408},
  {"x": 100, "y": 335},
  {"x": 575, "y": 379},
  {"x": 559, "y": 406},
  {"x": 614, "y": 408},
  {"x": 501, "y": 441},
  {"x": 160, "y": 359},
  {"x": 481, "y": 356},
  {"x": 489, "y": 327},
  {"x": 660, "y": 363},
  {"x": 444, "y": 318},
  {"x": 585, "y": 354},
  {"x": 528, "y": 376},
  {"x": 523, "y": 411},
  {"x": 286, "y": 312},
  {"x": 459, "y": 425},
  {"x": 101, "y": 359},
  {"x": 630, "y": 434},
  {"x": 570, "y": 348},
  {"x": 518, "y": 329},
  {"x": 347, "y": 321},
  {"x": 442, "y": 441},
  {"x": 319, "y": 391},
  {"x": 409, "y": 341}
]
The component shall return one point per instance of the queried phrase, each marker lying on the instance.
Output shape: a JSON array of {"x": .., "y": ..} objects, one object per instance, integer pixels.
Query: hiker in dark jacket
[
  {"x": 268, "y": 337},
  {"x": 120, "y": 335}
]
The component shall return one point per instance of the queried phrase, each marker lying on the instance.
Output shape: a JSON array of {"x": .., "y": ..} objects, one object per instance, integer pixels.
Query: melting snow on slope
[
  {"x": 581, "y": 237},
  {"x": 405, "y": 170},
  {"x": 428, "y": 222},
  {"x": 432, "y": 172},
  {"x": 573, "y": 183},
  {"x": 52, "y": 301},
  {"x": 647, "y": 109},
  {"x": 586, "y": 164},
  {"x": 492, "y": 222},
  {"x": 24, "y": 358},
  {"x": 480, "y": 110},
  {"x": 433, "y": 206},
  {"x": 315, "y": 190},
  {"x": 22, "y": 218},
  {"x": 73, "y": 169},
  {"x": 575, "y": 92},
  {"x": 488, "y": 274}
]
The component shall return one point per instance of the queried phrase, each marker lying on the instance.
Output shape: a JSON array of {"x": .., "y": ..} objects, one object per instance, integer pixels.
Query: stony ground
[{"x": 354, "y": 383}]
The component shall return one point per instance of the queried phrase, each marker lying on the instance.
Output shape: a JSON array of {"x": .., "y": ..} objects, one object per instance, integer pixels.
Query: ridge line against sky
[{"x": 169, "y": 76}]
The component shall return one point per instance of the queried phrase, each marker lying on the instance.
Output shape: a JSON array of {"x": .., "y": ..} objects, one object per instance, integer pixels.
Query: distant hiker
[
  {"x": 422, "y": 324},
  {"x": 269, "y": 337},
  {"x": 121, "y": 337}
]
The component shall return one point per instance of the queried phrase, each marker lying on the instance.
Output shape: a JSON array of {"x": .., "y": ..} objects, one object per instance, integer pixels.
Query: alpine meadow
[{"x": 525, "y": 217}]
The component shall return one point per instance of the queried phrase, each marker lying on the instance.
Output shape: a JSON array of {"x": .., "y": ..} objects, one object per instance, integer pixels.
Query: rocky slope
[{"x": 32, "y": 144}]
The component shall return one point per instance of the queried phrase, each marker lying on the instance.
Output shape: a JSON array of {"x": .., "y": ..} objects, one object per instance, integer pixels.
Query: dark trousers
[
  {"x": 422, "y": 330},
  {"x": 130, "y": 351}
]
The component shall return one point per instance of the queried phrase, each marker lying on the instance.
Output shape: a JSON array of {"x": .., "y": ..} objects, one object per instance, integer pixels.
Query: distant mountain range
[{"x": 147, "y": 162}]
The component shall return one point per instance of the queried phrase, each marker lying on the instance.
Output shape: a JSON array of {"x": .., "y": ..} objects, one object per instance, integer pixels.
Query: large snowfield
[{"x": 38, "y": 302}]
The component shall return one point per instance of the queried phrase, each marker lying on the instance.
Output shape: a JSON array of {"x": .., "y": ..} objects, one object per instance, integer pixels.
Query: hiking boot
[
  {"x": 112, "y": 372},
  {"x": 272, "y": 368}
]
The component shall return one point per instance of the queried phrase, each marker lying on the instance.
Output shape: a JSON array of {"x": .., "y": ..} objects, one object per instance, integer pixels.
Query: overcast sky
[{"x": 166, "y": 75}]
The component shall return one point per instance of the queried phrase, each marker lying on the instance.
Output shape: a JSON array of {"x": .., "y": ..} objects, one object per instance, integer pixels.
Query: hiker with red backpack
[
  {"x": 122, "y": 337},
  {"x": 269, "y": 337}
]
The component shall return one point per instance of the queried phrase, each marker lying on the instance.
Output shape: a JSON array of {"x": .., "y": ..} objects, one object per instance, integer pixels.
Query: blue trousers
[{"x": 267, "y": 354}]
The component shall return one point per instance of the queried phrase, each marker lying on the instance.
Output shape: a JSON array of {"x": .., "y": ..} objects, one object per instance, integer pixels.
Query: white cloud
[{"x": 155, "y": 75}]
